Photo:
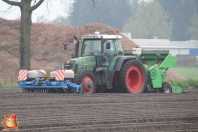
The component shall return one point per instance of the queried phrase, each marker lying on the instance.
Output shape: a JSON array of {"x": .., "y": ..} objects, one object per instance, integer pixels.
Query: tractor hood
[{"x": 81, "y": 63}]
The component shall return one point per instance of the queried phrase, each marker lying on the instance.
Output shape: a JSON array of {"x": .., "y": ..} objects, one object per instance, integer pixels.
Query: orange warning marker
[
  {"x": 60, "y": 74},
  {"x": 22, "y": 75}
]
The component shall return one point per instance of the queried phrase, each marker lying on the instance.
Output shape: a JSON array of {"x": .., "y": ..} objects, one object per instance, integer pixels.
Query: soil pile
[
  {"x": 170, "y": 74},
  {"x": 46, "y": 45}
]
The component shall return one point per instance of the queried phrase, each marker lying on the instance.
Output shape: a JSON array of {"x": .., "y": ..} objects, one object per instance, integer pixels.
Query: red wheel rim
[
  {"x": 134, "y": 79},
  {"x": 85, "y": 87}
]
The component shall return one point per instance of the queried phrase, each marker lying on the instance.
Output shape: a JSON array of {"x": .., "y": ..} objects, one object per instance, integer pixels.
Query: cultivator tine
[
  {"x": 56, "y": 90},
  {"x": 44, "y": 90},
  {"x": 65, "y": 90}
]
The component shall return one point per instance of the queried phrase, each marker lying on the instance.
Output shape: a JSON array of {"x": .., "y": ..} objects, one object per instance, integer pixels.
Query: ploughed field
[{"x": 101, "y": 112}]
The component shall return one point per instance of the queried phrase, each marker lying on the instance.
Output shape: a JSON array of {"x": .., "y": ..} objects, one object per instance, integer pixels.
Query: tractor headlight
[{"x": 69, "y": 64}]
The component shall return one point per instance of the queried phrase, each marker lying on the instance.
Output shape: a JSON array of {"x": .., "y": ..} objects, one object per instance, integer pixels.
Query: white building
[
  {"x": 174, "y": 47},
  {"x": 161, "y": 44}
]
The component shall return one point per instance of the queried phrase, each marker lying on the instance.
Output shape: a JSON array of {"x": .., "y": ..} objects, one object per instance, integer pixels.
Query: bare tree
[{"x": 26, "y": 7}]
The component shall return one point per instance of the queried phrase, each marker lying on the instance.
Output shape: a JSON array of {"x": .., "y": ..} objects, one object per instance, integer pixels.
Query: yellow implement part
[{"x": 46, "y": 76}]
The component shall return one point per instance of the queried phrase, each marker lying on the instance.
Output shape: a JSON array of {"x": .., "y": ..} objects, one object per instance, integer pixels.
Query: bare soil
[{"x": 101, "y": 112}]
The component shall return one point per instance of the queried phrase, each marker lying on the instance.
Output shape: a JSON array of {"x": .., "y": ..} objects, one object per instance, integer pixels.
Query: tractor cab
[{"x": 103, "y": 47}]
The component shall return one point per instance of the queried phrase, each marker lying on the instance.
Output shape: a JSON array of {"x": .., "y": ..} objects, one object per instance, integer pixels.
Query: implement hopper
[
  {"x": 156, "y": 64},
  {"x": 160, "y": 57}
]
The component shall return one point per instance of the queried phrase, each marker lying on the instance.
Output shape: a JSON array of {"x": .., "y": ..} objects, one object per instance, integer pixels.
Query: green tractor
[{"x": 104, "y": 66}]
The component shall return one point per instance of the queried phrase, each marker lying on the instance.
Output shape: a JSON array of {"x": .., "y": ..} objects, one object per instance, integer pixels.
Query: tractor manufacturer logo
[
  {"x": 153, "y": 74},
  {"x": 10, "y": 122}
]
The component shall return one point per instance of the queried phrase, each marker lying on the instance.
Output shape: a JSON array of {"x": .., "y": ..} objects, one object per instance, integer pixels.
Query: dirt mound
[
  {"x": 170, "y": 74},
  {"x": 46, "y": 45}
]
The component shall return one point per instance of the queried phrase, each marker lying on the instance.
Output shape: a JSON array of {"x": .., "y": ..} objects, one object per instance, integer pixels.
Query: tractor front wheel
[
  {"x": 88, "y": 81},
  {"x": 133, "y": 77}
]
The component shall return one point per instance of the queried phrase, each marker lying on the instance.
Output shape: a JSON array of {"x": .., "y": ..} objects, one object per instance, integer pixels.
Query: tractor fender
[
  {"x": 117, "y": 66},
  {"x": 120, "y": 61}
]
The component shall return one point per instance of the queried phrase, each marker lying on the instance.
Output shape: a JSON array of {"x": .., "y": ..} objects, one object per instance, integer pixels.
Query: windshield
[
  {"x": 118, "y": 45},
  {"x": 91, "y": 47}
]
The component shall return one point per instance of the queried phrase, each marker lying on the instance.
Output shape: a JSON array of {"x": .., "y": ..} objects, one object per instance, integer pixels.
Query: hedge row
[{"x": 189, "y": 83}]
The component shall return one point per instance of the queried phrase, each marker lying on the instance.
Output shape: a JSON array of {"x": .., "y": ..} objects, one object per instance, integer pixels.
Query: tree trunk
[{"x": 25, "y": 34}]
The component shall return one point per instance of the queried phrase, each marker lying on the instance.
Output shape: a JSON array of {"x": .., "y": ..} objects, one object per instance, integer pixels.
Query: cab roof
[{"x": 105, "y": 36}]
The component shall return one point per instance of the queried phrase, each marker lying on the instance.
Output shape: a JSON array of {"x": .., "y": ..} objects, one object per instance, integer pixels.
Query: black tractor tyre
[
  {"x": 133, "y": 78},
  {"x": 166, "y": 88},
  {"x": 87, "y": 79}
]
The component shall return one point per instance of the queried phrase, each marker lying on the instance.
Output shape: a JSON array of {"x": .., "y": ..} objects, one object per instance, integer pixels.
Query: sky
[{"x": 50, "y": 10}]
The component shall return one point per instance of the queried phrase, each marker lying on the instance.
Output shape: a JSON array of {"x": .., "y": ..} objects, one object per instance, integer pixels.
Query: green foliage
[
  {"x": 7, "y": 84},
  {"x": 60, "y": 20},
  {"x": 193, "y": 83},
  {"x": 148, "y": 21},
  {"x": 42, "y": 19},
  {"x": 190, "y": 83},
  {"x": 179, "y": 83},
  {"x": 181, "y": 12},
  {"x": 133, "y": 4},
  {"x": 193, "y": 28},
  {"x": 111, "y": 12},
  {"x": 187, "y": 72}
]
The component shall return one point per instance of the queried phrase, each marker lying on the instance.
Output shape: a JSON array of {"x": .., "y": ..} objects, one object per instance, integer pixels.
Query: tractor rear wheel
[
  {"x": 166, "y": 88},
  {"x": 133, "y": 77},
  {"x": 88, "y": 81}
]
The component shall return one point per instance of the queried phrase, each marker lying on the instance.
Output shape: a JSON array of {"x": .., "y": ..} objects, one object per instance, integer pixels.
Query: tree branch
[
  {"x": 14, "y": 3},
  {"x": 36, "y": 5},
  {"x": 8, "y": 9}
]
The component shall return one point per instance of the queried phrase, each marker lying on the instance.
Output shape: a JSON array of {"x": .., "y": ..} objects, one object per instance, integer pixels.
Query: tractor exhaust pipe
[
  {"x": 76, "y": 47},
  {"x": 102, "y": 50}
]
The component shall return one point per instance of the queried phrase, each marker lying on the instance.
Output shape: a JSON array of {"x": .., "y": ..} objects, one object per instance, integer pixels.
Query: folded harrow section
[{"x": 59, "y": 81}]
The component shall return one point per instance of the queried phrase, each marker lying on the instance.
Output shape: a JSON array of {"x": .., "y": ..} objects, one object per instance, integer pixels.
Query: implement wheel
[
  {"x": 88, "y": 81},
  {"x": 133, "y": 77},
  {"x": 166, "y": 88}
]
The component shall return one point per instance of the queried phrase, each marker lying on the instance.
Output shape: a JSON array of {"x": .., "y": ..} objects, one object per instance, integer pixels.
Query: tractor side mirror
[
  {"x": 65, "y": 45},
  {"x": 108, "y": 45}
]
